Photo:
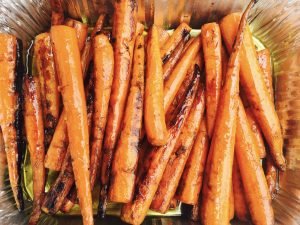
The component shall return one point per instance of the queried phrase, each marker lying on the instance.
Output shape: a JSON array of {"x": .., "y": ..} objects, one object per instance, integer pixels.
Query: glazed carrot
[
  {"x": 155, "y": 164},
  {"x": 3, "y": 162},
  {"x": 175, "y": 166},
  {"x": 271, "y": 175},
  {"x": 154, "y": 115},
  {"x": 254, "y": 182},
  {"x": 34, "y": 128},
  {"x": 215, "y": 207},
  {"x": 163, "y": 36},
  {"x": 126, "y": 153},
  {"x": 264, "y": 60},
  {"x": 174, "y": 58},
  {"x": 99, "y": 25},
  {"x": 240, "y": 205},
  {"x": 70, "y": 75},
  {"x": 177, "y": 76},
  {"x": 256, "y": 132},
  {"x": 180, "y": 33},
  {"x": 125, "y": 21},
  {"x": 57, "y": 16},
  {"x": 10, "y": 105},
  {"x": 253, "y": 84},
  {"x": 190, "y": 184},
  {"x": 212, "y": 45},
  {"x": 81, "y": 31},
  {"x": 49, "y": 84}
]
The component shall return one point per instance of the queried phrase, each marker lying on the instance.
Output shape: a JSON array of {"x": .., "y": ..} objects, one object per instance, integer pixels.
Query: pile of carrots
[{"x": 156, "y": 119}]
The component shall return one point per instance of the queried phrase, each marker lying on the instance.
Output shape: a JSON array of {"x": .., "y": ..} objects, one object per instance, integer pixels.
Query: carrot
[
  {"x": 190, "y": 184},
  {"x": 11, "y": 73},
  {"x": 177, "y": 76},
  {"x": 231, "y": 203},
  {"x": 154, "y": 116},
  {"x": 155, "y": 164},
  {"x": 253, "y": 84},
  {"x": 254, "y": 182},
  {"x": 49, "y": 84},
  {"x": 224, "y": 57},
  {"x": 257, "y": 133},
  {"x": 163, "y": 36},
  {"x": 81, "y": 31},
  {"x": 3, "y": 162},
  {"x": 240, "y": 206},
  {"x": 34, "y": 127},
  {"x": 212, "y": 45},
  {"x": 271, "y": 175},
  {"x": 126, "y": 153},
  {"x": 124, "y": 27},
  {"x": 175, "y": 166},
  {"x": 99, "y": 25},
  {"x": 70, "y": 75},
  {"x": 174, "y": 58},
  {"x": 215, "y": 202},
  {"x": 180, "y": 33},
  {"x": 57, "y": 16}
]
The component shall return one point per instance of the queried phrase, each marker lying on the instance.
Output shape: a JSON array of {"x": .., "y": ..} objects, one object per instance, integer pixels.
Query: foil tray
[{"x": 274, "y": 23}]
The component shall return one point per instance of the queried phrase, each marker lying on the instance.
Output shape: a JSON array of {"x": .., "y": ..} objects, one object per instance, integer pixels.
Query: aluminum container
[{"x": 275, "y": 23}]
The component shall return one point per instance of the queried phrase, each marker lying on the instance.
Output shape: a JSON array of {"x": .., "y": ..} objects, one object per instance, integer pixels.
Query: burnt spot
[
  {"x": 184, "y": 33},
  {"x": 180, "y": 150},
  {"x": 166, "y": 58}
]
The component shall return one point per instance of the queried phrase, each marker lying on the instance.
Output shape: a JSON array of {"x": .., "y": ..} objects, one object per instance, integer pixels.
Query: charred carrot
[
  {"x": 155, "y": 164},
  {"x": 212, "y": 45},
  {"x": 48, "y": 83},
  {"x": 70, "y": 76},
  {"x": 240, "y": 205},
  {"x": 34, "y": 128},
  {"x": 180, "y": 33},
  {"x": 253, "y": 84},
  {"x": 190, "y": 184},
  {"x": 163, "y": 36},
  {"x": 177, "y": 76},
  {"x": 81, "y": 31},
  {"x": 125, "y": 21},
  {"x": 57, "y": 17},
  {"x": 126, "y": 153},
  {"x": 11, "y": 73},
  {"x": 256, "y": 132},
  {"x": 174, "y": 58},
  {"x": 154, "y": 115},
  {"x": 254, "y": 182},
  {"x": 215, "y": 206},
  {"x": 175, "y": 166}
]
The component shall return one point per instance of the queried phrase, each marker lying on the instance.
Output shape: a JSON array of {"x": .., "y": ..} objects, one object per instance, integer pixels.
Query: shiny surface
[
  {"x": 67, "y": 58},
  {"x": 34, "y": 128},
  {"x": 154, "y": 114},
  {"x": 126, "y": 153},
  {"x": 81, "y": 31}
]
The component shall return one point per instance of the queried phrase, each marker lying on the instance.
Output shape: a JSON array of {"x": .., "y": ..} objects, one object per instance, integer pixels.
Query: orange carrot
[
  {"x": 81, "y": 31},
  {"x": 57, "y": 16},
  {"x": 70, "y": 75},
  {"x": 212, "y": 45},
  {"x": 34, "y": 127},
  {"x": 163, "y": 36}
]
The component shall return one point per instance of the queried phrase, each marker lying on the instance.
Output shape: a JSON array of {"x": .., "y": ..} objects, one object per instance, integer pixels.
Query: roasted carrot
[
  {"x": 175, "y": 166},
  {"x": 163, "y": 36},
  {"x": 240, "y": 206},
  {"x": 124, "y": 27},
  {"x": 70, "y": 76},
  {"x": 254, "y": 182},
  {"x": 57, "y": 16},
  {"x": 174, "y": 58},
  {"x": 156, "y": 162},
  {"x": 48, "y": 83},
  {"x": 212, "y": 45},
  {"x": 81, "y": 31},
  {"x": 180, "y": 33},
  {"x": 215, "y": 202},
  {"x": 154, "y": 114},
  {"x": 174, "y": 203},
  {"x": 126, "y": 153},
  {"x": 34, "y": 128},
  {"x": 256, "y": 132},
  {"x": 253, "y": 84},
  {"x": 190, "y": 184},
  {"x": 177, "y": 76},
  {"x": 3, "y": 162},
  {"x": 10, "y": 107}
]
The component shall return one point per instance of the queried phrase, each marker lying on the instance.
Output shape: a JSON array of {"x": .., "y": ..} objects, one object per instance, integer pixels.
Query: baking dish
[{"x": 275, "y": 23}]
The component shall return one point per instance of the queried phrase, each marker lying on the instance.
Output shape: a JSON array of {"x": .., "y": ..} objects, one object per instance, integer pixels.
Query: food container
[{"x": 275, "y": 23}]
